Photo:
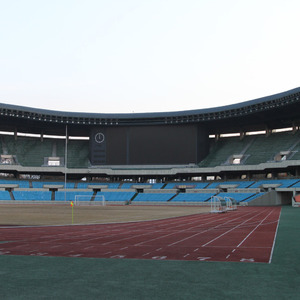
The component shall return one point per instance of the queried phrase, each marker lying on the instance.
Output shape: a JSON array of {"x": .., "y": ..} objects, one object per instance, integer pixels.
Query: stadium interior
[{"x": 249, "y": 152}]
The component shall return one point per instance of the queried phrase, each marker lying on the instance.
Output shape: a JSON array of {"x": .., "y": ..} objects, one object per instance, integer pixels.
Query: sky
[{"x": 131, "y": 56}]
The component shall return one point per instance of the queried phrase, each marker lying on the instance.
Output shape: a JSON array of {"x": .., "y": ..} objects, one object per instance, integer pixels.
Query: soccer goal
[
  {"x": 230, "y": 203},
  {"x": 87, "y": 200},
  {"x": 217, "y": 205}
]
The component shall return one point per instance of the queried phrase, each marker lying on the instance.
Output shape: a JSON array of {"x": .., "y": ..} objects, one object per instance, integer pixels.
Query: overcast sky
[{"x": 120, "y": 56}]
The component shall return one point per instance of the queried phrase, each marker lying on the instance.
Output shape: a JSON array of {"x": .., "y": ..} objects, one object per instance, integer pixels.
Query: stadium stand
[
  {"x": 42, "y": 184},
  {"x": 71, "y": 195},
  {"x": 108, "y": 185},
  {"x": 283, "y": 183},
  {"x": 189, "y": 155},
  {"x": 222, "y": 150},
  {"x": 4, "y": 195},
  {"x": 236, "y": 184},
  {"x": 240, "y": 197},
  {"x": 157, "y": 197},
  {"x": 18, "y": 183},
  {"x": 193, "y": 197},
  {"x": 32, "y": 195},
  {"x": 117, "y": 196},
  {"x": 189, "y": 185}
]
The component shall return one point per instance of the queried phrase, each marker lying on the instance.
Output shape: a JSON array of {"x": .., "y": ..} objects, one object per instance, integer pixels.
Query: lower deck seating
[
  {"x": 154, "y": 197},
  {"x": 71, "y": 195},
  {"x": 193, "y": 197},
  {"x": 4, "y": 195},
  {"x": 32, "y": 195},
  {"x": 241, "y": 197},
  {"x": 116, "y": 196}
]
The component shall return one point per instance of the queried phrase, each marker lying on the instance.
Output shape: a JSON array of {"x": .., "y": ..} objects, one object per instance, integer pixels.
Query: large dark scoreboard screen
[{"x": 148, "y": 145}]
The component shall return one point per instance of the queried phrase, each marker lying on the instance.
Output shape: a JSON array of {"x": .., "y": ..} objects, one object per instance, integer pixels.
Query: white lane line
[
  {"x": 275, "y": 237},
  {"x": 184, "y": 231},
  {"x": 254, "y": 229},
  {"x": 206, "y": 230},
  {"x": 157, "y": 231},
  {"x": 226, "y": 232}
]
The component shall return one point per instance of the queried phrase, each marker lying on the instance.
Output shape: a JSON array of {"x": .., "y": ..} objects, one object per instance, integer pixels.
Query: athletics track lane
[{"x": 246, "y": 235}]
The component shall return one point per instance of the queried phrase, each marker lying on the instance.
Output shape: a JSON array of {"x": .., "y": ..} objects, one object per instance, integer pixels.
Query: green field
[{"x": 25, "y": 277}]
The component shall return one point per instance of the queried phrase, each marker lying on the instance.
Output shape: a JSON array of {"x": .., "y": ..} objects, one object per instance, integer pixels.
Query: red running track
[{"x": 245, "y": 235}]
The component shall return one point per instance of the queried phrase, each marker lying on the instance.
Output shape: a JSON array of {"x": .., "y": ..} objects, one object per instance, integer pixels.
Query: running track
[{"x": 245, "y": 235}]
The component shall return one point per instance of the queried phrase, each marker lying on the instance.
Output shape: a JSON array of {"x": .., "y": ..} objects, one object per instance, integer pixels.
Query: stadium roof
[{"x": 275, "y": 111}]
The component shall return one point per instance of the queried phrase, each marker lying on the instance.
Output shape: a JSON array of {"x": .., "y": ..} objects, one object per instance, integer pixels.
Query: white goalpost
[
  {"x": 230, "y": 203},
  {"x": 98, "y": 200},
  {"x": 217, "y": 205}
]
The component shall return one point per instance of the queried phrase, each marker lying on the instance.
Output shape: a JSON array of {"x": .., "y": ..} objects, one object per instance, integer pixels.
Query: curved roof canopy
[{"x": 275, "y": 111}]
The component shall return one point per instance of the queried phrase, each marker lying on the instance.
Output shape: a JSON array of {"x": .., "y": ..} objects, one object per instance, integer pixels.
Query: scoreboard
[{"x": 148, "y": 145}]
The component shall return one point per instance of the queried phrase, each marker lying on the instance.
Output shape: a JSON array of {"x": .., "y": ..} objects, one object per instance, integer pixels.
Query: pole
[
  {"x": 66, "y": 157},
  {"x": 72, "y": 205}
]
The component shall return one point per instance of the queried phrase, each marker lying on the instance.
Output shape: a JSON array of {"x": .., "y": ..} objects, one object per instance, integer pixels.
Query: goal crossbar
[{"x": 87, "y": 200}]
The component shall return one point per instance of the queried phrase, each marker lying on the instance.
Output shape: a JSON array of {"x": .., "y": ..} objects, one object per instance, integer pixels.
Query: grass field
[
  {"x": 26, "y": 277},
  {"x": 43, "y": 214}
]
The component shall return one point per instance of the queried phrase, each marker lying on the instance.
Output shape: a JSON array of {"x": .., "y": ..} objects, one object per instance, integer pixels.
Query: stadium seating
[
  {"x": 155, "y": 197},
  {"x": 4, "y": 195},
  {"x": 70, "y": 195},
  {"x": 19, "y": 183},
  {"x": 283, "y": 183},
  {"x": 41, "y": 184},
  {"x": 78, "y": 154},
  {"x": 84, "y": 185},
  {"x": 117, "y": 196},
  {"x": 32, "y": 195},
  {"x": 223, "y": 149},
  {"x": 238, "y": 184},
  {"x": 193, "y": 185},
  {"x": 255, "y": 149},
  {"x": 239, "y": 197},
  {"x": 193, "y": 197}
]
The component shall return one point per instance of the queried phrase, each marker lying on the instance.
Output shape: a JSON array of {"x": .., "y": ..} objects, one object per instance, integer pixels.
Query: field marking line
[
  {"x": 275, "y": 237},
  {"x": 254, "y": 229},
  {"x": 226, "y": 232},
  {"x": 176, "y": 232},
  {"x": 206, "y": 230},
  {"x": 156, "y": 231},
  {"x": 124, "y": 231}
]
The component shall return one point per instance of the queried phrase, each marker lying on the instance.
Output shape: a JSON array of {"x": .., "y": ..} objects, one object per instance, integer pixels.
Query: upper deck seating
[{"x": 223, "y": 149}]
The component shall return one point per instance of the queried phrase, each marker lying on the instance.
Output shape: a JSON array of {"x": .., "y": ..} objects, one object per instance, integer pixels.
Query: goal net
[
  {"x": 230, "y": 203},
  {"x": 217, "y": 205},
  {"x": 86, "y": 200}
]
